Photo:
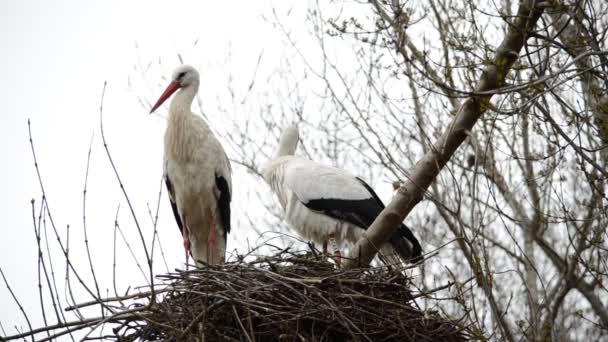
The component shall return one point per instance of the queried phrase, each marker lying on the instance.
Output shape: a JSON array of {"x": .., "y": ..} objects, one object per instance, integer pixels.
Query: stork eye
[{"x": 181, "y": 75}]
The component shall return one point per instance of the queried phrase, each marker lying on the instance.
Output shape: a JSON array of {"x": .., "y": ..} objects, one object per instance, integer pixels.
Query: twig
[
  {"x": 155, "y": 225},
  {"x": 37, "y": 234},
  {"x": 27, "y": 319},
  {"x": 144, "y": 294},
  {"x": 48, "y": 213},
  {"x": 243, "y": 330},
  {"x": 84, "y": 219},
  {"x": 124, "y": 239},
  {"x": 122, "y": 187}
]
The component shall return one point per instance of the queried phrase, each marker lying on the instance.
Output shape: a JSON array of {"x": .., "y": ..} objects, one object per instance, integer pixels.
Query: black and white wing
[
  {"x": 340, "y": 195},
  {"x": 171, "y": 192},
  {"x": 223, "y": 201},
  {"x": 333, "y": 192},
  {"x": 223, "y": 182}
]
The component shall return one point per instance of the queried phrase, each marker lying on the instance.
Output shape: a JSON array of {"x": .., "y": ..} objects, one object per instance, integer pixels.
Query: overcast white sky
[{"x": 55, "y": 58}]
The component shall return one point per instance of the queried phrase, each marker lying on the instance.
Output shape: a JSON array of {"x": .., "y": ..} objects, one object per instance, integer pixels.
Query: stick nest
[{"x": 289, "y": 297}]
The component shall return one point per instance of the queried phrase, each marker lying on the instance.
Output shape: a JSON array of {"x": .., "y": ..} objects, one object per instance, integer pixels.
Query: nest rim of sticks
[
  {"x": 286, "y": 296},
  {"x": 290, "y": 296}
]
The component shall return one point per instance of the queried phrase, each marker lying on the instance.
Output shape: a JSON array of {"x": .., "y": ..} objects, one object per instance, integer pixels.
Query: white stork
[
  {"x": 322, "y": 202},
  {"x": 197, "y": 173}
]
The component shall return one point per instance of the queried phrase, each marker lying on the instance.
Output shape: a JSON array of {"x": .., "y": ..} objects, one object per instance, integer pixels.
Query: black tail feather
[{"x": 406, "y": 245}]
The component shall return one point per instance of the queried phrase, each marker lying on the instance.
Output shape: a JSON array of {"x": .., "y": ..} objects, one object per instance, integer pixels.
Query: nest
[{"x": 288, "y": 297}]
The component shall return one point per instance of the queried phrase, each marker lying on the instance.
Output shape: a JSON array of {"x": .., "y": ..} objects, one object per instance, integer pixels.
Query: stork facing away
[
  {"x": 197, "y": 173},
  {"x": 323, "y": 202}
]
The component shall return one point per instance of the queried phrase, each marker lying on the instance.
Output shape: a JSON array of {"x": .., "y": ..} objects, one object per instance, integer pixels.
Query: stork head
[
  {"x": 184, "y": 76},
  {"x": 289, "y": 141}
]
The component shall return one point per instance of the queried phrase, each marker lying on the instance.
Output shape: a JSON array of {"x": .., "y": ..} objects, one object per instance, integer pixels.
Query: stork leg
[
  {"x": 211, "y": 242},
  {"x": 186, "y": 240},
  {"x": 334, "y": 245},
  {"x": 325, "y": 247}
]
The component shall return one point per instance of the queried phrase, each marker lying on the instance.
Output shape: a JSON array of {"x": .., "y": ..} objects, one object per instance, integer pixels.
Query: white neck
[
  {"x": 178, "y": 137},
  {"x": 182, "y": 100},
  {"x": 289, "y": 142}
]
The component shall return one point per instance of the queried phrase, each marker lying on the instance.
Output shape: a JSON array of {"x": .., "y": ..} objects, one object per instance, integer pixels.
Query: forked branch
[{"x": 427, "y": 169}]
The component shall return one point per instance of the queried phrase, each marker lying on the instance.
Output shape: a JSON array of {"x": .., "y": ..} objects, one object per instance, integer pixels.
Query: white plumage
[
  {"x": 322, "y": 200},
  {"x": 197, "y": 173},
  {"x": 296, "y": 181},
  {"x": 329, "y": 182}
]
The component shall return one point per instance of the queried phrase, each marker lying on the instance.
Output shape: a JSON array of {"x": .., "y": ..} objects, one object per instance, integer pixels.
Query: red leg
[
  {"x": 332, "y": 239},
  {"x": 186, "y": 240},
  {"x": 324, "y": 247},
  {"x": 211, "y": 244}
]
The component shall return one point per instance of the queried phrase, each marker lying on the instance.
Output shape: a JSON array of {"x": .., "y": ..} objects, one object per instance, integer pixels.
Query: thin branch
[
  {"x": 124, "y": 191},
  {"x": 10, "y": 290}
]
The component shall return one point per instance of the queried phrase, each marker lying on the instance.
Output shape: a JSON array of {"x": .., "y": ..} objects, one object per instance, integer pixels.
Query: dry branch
[{"x": 427, "y": 169}]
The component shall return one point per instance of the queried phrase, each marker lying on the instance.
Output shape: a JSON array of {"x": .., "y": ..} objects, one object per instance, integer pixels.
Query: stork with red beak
[{"x": 197, "y": 173}]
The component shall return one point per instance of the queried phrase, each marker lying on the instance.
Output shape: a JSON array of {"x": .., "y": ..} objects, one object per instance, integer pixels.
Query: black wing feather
[
  {"x": 403, "y": 240},
  {"x": 173, "y": 204},
  {"x": 362, "y": 213},
  {"x": 371, "y": 192},
  {"x": 358, "y": 212},
  {"x": 224, "y": 202}
]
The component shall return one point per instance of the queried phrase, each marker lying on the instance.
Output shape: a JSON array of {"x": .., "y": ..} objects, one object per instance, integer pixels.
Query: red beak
[{"x": 173, "y": 86}]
